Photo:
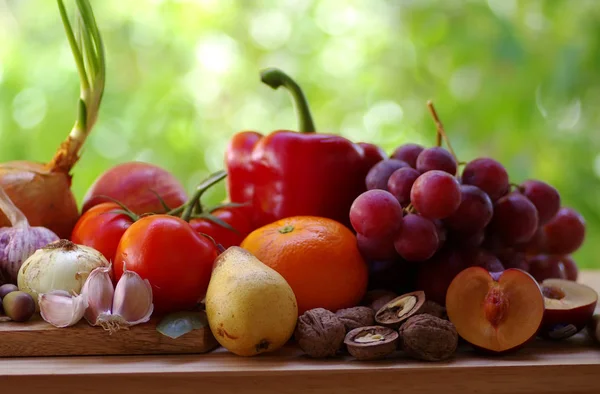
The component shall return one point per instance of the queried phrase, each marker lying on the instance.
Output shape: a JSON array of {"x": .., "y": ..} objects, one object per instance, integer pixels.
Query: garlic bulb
[
  {"x": 130, "y": 302},
  {"x": 18, "y": 242},
  {"x": 61, "y": 265},
  {"x": 61, "y": 309}
]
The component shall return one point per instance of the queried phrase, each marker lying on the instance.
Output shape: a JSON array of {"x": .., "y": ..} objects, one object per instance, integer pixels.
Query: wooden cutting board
[{"x": 38, "y": 338}]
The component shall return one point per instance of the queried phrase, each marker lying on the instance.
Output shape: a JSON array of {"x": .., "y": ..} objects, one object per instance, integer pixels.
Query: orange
[{"x": 318, "y": 257}]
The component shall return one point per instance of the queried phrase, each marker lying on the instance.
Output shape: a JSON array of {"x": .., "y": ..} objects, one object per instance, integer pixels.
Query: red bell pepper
[{"x": 288, "y": 173}]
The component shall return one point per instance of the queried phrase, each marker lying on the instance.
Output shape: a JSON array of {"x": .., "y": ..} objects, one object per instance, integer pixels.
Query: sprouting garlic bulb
[{"x": 18, "y": 242}]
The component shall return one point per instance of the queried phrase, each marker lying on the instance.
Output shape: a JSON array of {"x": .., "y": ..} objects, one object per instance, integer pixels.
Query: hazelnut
[
  {"x": 432, "y": 308},
  {"x": 371, "y": 343},
  {"x": 426, "y": 337},
  {"x": 359, "y": 316},
  {"x": 320, "y": 333},
  {"x": 399, "y": 309},
  {"x": 375, "y": 299}
]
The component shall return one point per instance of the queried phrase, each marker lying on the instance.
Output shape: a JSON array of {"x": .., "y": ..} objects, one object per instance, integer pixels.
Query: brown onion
[
  {"x": 43, "y": 191},
  {"x": 43, "y": 196}
]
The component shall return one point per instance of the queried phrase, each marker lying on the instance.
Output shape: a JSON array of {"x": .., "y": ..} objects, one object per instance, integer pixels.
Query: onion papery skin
[
  {"x": 132, "y": 183},
  {"x": 43, "y": 196}
]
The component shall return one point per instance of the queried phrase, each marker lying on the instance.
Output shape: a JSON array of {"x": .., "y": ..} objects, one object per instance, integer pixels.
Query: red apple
[
  {"x": 136, "y": 185},
  {"x": 569, "y": 307},
  {"x": 495, "y": 311}
]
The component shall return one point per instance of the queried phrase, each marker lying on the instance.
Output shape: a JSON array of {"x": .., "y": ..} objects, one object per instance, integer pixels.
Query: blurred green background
[{"x": 516, "y": 80}]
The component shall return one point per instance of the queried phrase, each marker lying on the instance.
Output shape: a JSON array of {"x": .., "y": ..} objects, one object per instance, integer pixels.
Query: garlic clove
[
  {"x": 133, "y": 299},
  {"x": 99, "y": 291},
  {"x": 62, "y": 309}
]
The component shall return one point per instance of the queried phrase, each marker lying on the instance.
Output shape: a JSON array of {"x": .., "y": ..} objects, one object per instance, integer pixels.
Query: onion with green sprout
[{"x": 42, "y": 191}]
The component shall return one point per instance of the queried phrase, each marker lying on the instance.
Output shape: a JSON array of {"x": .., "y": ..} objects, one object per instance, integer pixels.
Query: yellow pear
[{"x": 251, "y": 309}]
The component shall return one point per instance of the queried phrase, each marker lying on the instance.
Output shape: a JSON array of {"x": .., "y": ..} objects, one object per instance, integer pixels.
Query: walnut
[
  {"x": 320, "y": 333},
  {"x": 372, "y": 342},
  {"x": 359, "y": 316},
  {"x": 398, "y": 310},
  {"x": 429, "y": 338},
  {"x": 432, "y": 308},
  {"x": 375, "y": 299}
]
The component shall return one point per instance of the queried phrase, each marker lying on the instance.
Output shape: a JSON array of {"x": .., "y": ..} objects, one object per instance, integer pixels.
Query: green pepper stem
[
  {"x": 203, "y": 187},
  {"x": 275, "y": 78}
]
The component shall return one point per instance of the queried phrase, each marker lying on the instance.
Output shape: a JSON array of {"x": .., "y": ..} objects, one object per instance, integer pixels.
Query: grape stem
[
  {"x": 441, "y": 133},
  {"x": 516, "y": 187},
  {"x": 410, "y": 209}
]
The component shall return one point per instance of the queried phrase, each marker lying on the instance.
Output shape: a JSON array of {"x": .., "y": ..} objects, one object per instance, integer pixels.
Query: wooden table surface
[{"x": 572, "y": 366}]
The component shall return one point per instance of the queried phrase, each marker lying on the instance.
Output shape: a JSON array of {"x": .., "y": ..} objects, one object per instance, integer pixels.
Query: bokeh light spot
[
  {"x": 597, "y": 165},
  {"x": 570, "y": 116},
  {"x": 503, "y": 8},
  {"x": 336, "y": 17},
  {"x": 270, "y": 29},
  {"x": 465, "y": 83},
  {"x": 217, "y": 53},
  {"x": 29, "y": 108},
  {"x": 382, "y": 113},
  {"x": 108, "y": 141},
  {"x": 341, "y": 57}
]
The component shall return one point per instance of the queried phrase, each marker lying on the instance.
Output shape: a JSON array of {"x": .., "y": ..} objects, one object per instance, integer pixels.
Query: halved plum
[
  {"x": 569, "y": 307},
  {"x": 495, "y": 311}
]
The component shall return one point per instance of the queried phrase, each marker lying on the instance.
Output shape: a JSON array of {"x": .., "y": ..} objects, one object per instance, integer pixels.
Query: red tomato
[
  {"x": 176, "y": 260},
  {"x": 235, "y": 217},
  {"x": 101, "y": 228}
]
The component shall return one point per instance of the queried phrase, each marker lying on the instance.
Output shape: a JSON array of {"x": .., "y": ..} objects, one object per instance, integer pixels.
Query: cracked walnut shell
[
  {"x": 320, "y": 333},
  {"x": 429, "y": 338},
  {"x": 395, "y": 312},
  {"x": 371, "y": 343}
]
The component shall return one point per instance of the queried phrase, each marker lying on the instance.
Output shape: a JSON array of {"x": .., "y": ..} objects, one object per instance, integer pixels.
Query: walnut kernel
[
  {"x": 359, "y": 316},
  {"x": 429, "y": 338},
  {"x": 320, "y": 333}
]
